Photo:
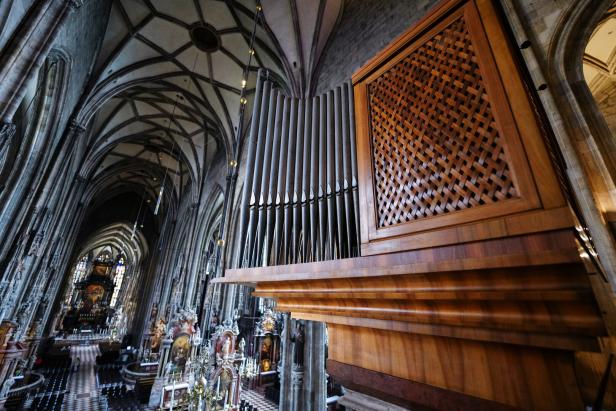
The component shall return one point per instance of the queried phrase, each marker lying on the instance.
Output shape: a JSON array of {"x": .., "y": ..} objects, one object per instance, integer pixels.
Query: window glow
[
  {"x": 120, "y": 269},
  {"x": 78, "y": 275}
]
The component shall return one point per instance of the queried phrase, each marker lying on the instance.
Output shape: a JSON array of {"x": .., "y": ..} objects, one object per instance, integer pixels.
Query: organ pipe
[
  {"x": 299, "y": 200},
  {"x": 244, "y": 208}
]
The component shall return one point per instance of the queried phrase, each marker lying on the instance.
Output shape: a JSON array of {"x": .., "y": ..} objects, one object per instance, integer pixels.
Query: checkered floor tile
[
  {"x": 257, "y": 401},
  {"x": 83, "y": 395}
]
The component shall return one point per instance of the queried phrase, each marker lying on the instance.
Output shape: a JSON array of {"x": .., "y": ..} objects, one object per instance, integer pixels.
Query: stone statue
[
  {"x": 226, "y": 348},
  {"x": 298, "y": 339},
  {"x": 241, "y": 347}
]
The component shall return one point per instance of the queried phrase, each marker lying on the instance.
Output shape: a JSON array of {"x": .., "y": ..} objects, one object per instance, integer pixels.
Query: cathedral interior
[{"x": 307, "y": 205}]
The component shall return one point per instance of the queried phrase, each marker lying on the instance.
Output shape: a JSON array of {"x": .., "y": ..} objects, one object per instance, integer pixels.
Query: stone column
[
  {"x": 286, "y": 365},
  {"x": 159, "y": 383},
  {"x": 194, "y": 347},
  {"x": 315, "y": 381},
  {"x": 228, "y": 301},
  {"x": 164, "y": 356},
  {"x": 24, "y": 55},
  {"x": 231, "y": 290},
  {"x": 297, "y": 382}
]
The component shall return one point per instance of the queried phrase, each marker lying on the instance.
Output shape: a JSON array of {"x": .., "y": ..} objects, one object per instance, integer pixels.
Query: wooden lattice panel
[{"x": 436, "y": 146}]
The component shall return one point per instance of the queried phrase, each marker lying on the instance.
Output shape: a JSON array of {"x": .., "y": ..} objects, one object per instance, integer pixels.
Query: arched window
[
  {"x": 78, "y": 274},
  {"x": 118, "y": 278},
  {"x": 80, "y": 269}
]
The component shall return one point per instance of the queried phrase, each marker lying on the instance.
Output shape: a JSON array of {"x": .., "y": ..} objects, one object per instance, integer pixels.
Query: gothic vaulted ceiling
[
  {"x": 600, "y": 54},
  {"x": 168, "y": 83},
  {"x": 165, "y": 93}
]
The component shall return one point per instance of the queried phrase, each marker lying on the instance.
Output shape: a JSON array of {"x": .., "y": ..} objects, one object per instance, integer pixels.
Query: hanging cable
[
  {"x": 145, "y": 189},
  {"x": 162, "y": 184},
  {"x": 233, "y": 163}
]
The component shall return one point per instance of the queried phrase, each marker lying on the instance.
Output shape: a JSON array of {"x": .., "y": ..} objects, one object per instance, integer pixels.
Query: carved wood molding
[
  {"x": 528, "y": 290},
  {"x": 521, "y": 305}
]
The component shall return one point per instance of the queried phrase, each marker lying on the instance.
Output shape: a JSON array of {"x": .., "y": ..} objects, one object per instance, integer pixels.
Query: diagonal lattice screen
[{"x": 435, "y": 145}]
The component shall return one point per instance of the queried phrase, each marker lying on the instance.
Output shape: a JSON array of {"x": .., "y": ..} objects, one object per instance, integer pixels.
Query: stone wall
[
  {"x": 364, "y": 29},
  {"x": 81, "y": 38},
  {"x": 541, "y": 20},
  {"x": 607, "y": 104}
]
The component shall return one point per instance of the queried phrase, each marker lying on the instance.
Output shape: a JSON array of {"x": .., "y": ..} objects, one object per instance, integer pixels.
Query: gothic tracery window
[{"x": 117, "y": 280}]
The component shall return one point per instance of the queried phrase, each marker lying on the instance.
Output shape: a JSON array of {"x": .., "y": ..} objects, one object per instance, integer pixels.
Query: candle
[
  {"x": 172, "y": 395},
  {"x": 225, "y": 401},
  {"x": 218, "y": 386}
]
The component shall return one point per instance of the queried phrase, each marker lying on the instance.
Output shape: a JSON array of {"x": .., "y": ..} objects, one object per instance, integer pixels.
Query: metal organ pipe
[
  {"x": 304, "y": 227},
  {"x": 353, "y": 153},
  {"x": 288, "y": 192},
  {"x": 299, "y": 200},
  {"x": 266, "y": 161},
  {"x": 279, "y": 215},
  {"x": 241, "y": 243},
  {"x": 338, "y": 173},
  {"x": 297, "y": 184},
  {"x": 322, "y": 169},
  {"x": 314, "y": 180},
  {"x": 331, "y": 199},
  {"x": 349, "y": 213},
  {"x": 257, "y": 171},
  {"x": 273, "y": 179}
]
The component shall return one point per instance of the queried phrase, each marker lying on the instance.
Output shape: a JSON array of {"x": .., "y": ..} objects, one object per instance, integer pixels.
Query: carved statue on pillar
[
  {"x": 298, "y": 339},
  {"x": 22, "y": 317},
  {"x": 36, "y": 243},
  {"x": 241, "y": 346}
]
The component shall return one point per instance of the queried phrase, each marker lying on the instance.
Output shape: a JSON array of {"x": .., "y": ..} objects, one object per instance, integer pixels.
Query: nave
[
  {"x": 95, "y": 385},
  {"x": 308, "y": 205}
]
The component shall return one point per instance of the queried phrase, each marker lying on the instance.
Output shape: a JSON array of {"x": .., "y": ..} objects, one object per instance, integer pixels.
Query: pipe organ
[
  {"x": 471, "y": 291},
  {"x": 299, "y": 201}
]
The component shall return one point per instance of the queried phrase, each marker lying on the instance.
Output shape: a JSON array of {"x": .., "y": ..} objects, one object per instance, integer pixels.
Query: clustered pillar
[
  {"x": 303, "y": 380},
  {"x": 22, "y": 58},
  {"x": 25, "y": 225}
]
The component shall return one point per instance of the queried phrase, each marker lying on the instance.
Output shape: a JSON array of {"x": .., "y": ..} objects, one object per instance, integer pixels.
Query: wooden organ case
[{"x": 470, "y": 292}]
